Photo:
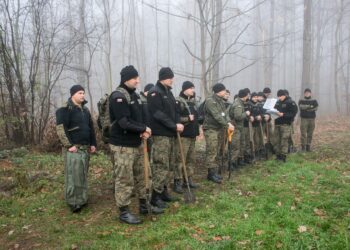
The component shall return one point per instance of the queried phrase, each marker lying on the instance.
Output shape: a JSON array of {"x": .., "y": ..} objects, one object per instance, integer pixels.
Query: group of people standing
[{"x": 237, "y": 133}]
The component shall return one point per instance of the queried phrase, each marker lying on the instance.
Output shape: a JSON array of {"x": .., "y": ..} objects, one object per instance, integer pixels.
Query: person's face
[
  {"x": 282, "y": 98},
  {"x": 133, "y": 82},
  {"x": 307, "y": 94},
  {"x": 227, "y": 95},
  {"x": 222, "y": 93},
  {"x": 255, "y": 98},
  {"x": 168, "y": 82},
  {"x": 189, "y": 92},
  {"x": 260, "y": 98},
  {"x": 267, "y": 95},
  {"x": 79, "y": 97}
]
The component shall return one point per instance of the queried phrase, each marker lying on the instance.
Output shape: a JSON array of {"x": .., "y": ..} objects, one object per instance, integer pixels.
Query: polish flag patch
[
  {"x": 119, "y": 100},
  {"x": 153, "y": 94}
]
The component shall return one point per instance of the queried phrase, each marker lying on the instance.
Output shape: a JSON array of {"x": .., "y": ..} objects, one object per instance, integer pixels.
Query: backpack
[{"x": 103, "y": 119}]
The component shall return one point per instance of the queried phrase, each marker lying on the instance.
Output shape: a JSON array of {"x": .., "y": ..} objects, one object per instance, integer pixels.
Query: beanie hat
[
  {"x": 218, "y": 88},
  {"x": 242, "y": 93},
  {"x": 267, "y": 90},
  {"x": 248, "y": 90},
  {"x": 281, "y": 92},
  {"x": 75, "y": 88},
  {"x": 253, "y": 94},
  {"x": 307, "y": 90},
  {"x": 286, "y": 91},
  {"x": 127, "y": 73},
  {"x": 187, "y": 85},
  {"x": 148, "y": 87},
  {"x": 165, "y": 73}
]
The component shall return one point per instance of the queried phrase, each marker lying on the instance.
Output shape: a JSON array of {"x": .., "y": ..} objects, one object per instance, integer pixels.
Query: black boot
[
  {"x": 190, "y": 183},
  {"x": 127, "y": 217},
  {"x": 241, "y": 162},
  {"x": 75, "y": 208},
  {"x": 283, "y": 158},
  {"x": 157, "y": 200},
  {"x": 248, "y": 159},
  {"x": 177, "y": 186},
  {"x": 144, "y": 208},
  {"x": 212, "y": 176},
  {"x": 308, "y": 148},
  {"x": 165, "y": 196}
]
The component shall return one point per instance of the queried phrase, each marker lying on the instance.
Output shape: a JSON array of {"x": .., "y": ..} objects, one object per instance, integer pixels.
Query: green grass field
[{"x": 303, "y": 204}]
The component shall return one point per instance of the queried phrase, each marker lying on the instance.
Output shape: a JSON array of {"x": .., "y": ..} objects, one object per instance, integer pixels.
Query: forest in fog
[{"x": 46, "y": 46}]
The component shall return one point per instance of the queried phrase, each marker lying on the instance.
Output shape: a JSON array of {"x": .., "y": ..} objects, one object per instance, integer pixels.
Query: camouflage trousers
[
  {"x": 307, "y": 127},
  {"x": 258, "y": 139},
  {"x": 163, "y": 161},
  {"x": 282, "y": 134},
  {"x": 188, "y": 145},
  {"x": 76, "y": 167},
  {"x": 214, "y": 144},
  {"x": 129, "y": 174},
  {"x": 238, "y": 144},
  {"x": 291, "y": 137},
  {"x": 247, "y": 149}
]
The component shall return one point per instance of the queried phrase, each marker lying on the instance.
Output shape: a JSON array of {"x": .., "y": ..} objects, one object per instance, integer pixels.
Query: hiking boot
[
  {"x": 177, "y": 186},
  {"x": 127, "y": 217},
  {"x": 165, "y": 196},
  {"x": 144, "y": 208},
  {"x": 157, "y": 201},
  {"x": 190, "y": 183},
  {"x": 212, "y": 176}
]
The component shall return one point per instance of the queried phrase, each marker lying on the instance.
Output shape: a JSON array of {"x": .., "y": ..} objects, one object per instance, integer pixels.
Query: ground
[{"x": 302, "y": 204}]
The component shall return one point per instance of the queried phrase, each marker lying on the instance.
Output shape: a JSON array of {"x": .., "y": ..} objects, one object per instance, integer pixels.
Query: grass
[{"x": 303, "y": 204}]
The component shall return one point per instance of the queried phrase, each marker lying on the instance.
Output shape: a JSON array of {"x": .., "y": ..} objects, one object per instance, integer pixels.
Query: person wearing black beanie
[
  {"x": 186, "y": 105},
  {"x": 165, "y": 124},
  {"x": 75, "y": 88},
  {"x": 238, "y": 114},
  {"x": 165, "y": 73},
  {"x": 216, "y": 121},
  {"x": 308, "y": 107},
  {"x": 287, "y": 110},
  {"x": 146, "y": 115},
  {"x": 128, "y": 130},
  {"x": 267, "y": 92},
  {"x": 127, "y": 73},
  {"x": 76, "y": 133}
]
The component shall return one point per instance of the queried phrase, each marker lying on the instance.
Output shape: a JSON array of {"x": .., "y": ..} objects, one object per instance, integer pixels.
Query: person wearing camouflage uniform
[
  {"x": 308, "y": 108},
  {"x": 216, "y": 121},
  {"x": 189, "y": 118},
  {"x": 75, "y": 130},
  {"x": 238, "y": 115},
  {"x": 165, "y": 123},
  {"x": 287, "y": 110},
  {"x": 257, "y": 115},
  {"x": 127, "y": 131}
]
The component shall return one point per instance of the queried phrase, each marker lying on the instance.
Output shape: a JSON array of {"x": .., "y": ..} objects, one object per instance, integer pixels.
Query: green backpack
[{"x": 103, "y": 120}]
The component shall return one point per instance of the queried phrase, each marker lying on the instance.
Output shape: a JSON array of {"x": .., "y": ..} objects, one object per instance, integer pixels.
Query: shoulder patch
[
  {"x": 153, "y": 94},
  {"x": 119, "y": 100}
]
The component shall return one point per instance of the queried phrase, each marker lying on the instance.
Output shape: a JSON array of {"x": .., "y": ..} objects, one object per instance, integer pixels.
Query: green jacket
[
  {"x": 216, "y": 115},
  {"x": 237, "y": 113}
]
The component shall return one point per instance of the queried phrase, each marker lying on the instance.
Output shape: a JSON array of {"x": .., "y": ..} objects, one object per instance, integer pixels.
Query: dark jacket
[
  {"x": 77, "y": 124},
  {"x": 186, "y": 107},
  {"x": 163, "y": 111},
  {"x": 289, "y": 109},
  {"x": 127, "y": 121},
  {"x": 256, "y": 110},
  {"x": 308, "y": 108}
]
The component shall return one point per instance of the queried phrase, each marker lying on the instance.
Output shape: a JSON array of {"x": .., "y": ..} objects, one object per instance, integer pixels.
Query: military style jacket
[
  {"x": 308, "y": 108},
  {"x": 186, "y": 107},
  {"x": 216, "y": 115},
  {"x": 74, "y": 125},
  {"x": 127, "y": 122},
  {"x": 289, "y": 108},
  {"x": 163, "y": 111},
  {"x": 237, "y": 113}
]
